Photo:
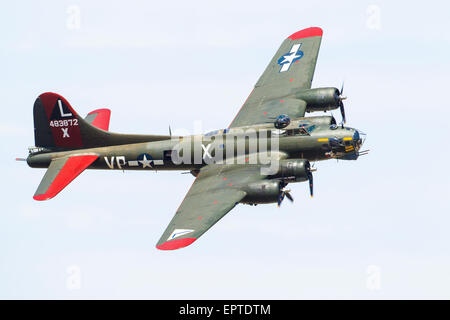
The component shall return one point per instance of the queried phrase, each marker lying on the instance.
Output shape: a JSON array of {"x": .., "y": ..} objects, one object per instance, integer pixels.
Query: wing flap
[{"x": 60, "y": 173}]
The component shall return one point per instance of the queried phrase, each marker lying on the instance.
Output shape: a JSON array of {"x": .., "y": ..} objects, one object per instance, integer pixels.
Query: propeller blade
[
  {"x": 284, "y": 193},
  {"x": 288, "y": 195},
  {"x": 341, "y": 106},
  {"x": 280, "y": 198},
  {"x": 341, "y": 98},
  {"x": 311, "y": 184}
]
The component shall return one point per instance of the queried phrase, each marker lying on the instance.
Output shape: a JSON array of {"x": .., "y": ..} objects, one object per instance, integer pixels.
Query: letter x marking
[
  {"x": 206, "y": 150},
  {"x": 65, "y": 132}
]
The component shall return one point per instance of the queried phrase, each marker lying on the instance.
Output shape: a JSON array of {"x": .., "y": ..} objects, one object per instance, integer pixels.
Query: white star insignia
[
  {"x": 145, "y": 162},
  {"x": 289, "y": 58}
]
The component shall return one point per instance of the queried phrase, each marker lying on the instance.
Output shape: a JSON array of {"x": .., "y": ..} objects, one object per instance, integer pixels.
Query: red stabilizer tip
[{"x": 102, "y": 119}]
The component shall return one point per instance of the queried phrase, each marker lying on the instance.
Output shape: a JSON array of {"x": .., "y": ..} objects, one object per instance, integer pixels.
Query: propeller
[
  {"x": 285, "y": 193},
  {"x": 341, "y": 97}
]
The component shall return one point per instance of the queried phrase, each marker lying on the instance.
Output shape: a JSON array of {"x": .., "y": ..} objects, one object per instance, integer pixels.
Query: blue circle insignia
[{"x": 287, "y": 59}]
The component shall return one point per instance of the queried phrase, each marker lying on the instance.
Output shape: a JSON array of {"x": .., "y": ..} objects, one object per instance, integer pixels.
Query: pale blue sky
[{"x": 155, "y": 64}]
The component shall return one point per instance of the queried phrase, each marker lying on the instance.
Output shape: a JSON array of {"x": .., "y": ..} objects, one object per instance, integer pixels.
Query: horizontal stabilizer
[
  {"x": 60, "y": 173},
  {"x": 99, "y": 118}
]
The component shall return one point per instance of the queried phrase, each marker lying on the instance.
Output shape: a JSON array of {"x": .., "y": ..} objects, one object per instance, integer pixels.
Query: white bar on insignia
[
  {"x": 295, "y": 48},
  {"x": 133, "y": 163},
  {"x": 158, "y": 162},
  {"x": 285, "y": 67}
]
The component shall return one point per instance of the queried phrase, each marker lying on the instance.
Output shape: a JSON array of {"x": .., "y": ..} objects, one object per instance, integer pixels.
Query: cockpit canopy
[{"x": 303, "y": 129}]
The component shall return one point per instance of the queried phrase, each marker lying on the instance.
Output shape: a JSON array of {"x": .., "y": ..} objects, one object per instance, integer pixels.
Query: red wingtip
[
  {"x": 306, "y": 33},
  {"x": 176, "y": 244},
  {"x": 42, "y": 197}
]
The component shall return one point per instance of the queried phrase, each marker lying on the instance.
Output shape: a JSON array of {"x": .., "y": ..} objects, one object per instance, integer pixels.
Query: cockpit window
[
  {"x": 303, "y": 124},
  {"x": 311, "y": 128},
  {"x": 296, "y": 132},
  {"x": 307, "y": 127}
]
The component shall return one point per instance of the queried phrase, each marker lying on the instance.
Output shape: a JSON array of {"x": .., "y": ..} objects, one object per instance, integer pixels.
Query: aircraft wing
[
  {"x": 216, "y": 190},
  {"x": 290, "y": 70}
]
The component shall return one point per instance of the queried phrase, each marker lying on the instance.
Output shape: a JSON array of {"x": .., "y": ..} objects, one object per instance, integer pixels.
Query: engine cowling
[
  {"x": 326, "y": 121},
  {"x": 320, "y": 99},
  {"x": 266, "y": 191},
  {"x": 294, "y": 170},
  {"x": 271, "y": 191}
]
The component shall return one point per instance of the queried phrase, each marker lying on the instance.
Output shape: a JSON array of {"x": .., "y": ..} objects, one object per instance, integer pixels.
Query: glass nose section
[{"x": 356, "y": 136}]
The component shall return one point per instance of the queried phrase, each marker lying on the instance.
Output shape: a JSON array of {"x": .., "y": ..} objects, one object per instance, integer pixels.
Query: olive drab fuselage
[{"x": 293, "y": 141}]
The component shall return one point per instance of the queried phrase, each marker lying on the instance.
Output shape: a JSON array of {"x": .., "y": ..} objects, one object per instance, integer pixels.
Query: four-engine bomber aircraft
[{"x": 268, "y": 144}]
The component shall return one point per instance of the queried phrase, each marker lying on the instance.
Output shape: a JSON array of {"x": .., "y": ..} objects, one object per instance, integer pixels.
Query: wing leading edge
[{"x": 290, "y": 70}]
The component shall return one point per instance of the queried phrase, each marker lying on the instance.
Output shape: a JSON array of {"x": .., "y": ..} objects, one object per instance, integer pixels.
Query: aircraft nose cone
[
  {"x": 356, "y": 135},
  {"x": 359, "y": 137}
]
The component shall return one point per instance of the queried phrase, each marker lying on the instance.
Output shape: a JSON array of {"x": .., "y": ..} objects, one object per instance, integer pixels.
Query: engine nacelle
[
  {"x": 266, "y": 191},
  {"x": 295, "y": 170},
  {"x": 326, "y": 121},
  {"x": 320, "y": 99}
]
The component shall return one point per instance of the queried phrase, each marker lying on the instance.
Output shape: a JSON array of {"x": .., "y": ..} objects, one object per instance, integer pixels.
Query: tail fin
[{"x": 58, "y": 126}]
